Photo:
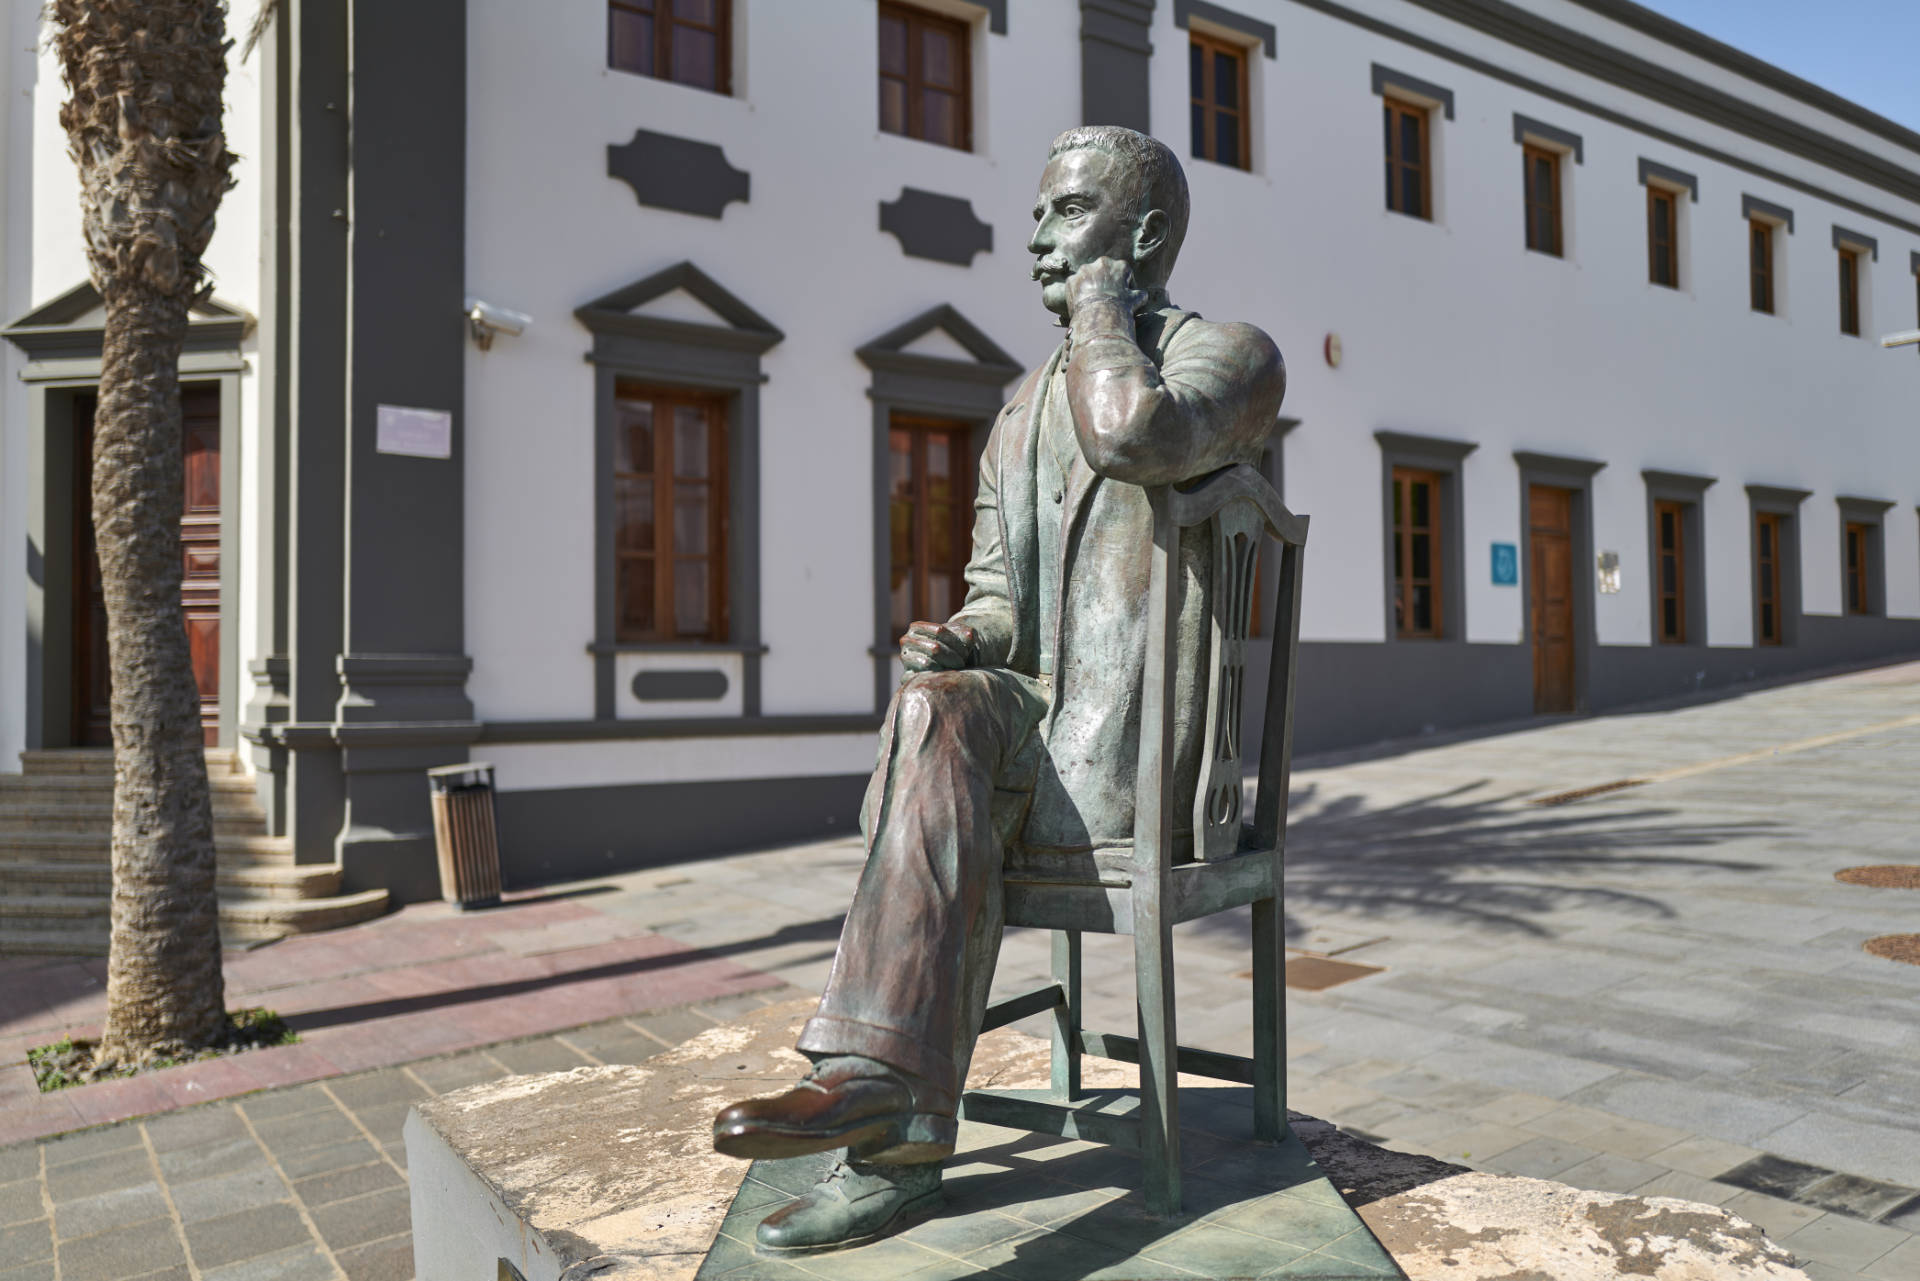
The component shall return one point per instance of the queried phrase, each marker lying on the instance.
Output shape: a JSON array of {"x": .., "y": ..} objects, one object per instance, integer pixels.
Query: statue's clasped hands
[{"x": 935, "y": 647}]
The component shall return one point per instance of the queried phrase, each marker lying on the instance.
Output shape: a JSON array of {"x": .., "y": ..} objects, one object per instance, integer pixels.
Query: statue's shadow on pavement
[{"x": 1485, "y": 859}]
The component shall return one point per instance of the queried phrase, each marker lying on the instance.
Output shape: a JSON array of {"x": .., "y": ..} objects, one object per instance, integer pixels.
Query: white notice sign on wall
[{"x": 421, "y": 433}]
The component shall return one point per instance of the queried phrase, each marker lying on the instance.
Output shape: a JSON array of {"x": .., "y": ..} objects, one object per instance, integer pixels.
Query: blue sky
[{"x": 1860, "y": 49}]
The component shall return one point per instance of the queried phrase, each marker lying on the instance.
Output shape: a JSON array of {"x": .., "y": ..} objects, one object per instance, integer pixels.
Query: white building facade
[{"x": 1573, "y": 404}]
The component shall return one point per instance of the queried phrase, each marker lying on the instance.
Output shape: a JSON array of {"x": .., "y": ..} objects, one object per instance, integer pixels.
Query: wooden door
[
  {"x": 200, "y": 569},
  {"x": 1550, "y": 586}
]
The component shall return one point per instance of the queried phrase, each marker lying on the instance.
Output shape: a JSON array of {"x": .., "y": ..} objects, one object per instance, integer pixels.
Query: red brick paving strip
[{"x": 423, "y": 982}]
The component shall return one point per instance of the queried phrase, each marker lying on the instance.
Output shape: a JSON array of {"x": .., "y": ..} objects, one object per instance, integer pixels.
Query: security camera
[{"x": 486, "y": 320}]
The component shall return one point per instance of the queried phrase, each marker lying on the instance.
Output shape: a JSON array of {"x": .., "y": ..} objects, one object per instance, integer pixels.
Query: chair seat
[{"x": 1105, "y": 906}]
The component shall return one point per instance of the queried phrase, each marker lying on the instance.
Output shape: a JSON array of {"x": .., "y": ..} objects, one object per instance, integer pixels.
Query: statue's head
[{"x": 1107, "y": 192}]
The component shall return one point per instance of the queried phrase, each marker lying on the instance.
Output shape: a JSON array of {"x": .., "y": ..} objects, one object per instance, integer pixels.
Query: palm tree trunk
[{"x": 143, "y": 125}]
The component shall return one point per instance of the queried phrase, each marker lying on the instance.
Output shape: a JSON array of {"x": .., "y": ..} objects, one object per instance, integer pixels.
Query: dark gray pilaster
[
  {"x": 400, "y": 670},
  {"x": 1115, "y": 59},
  {"x": 312, "y": 310}
]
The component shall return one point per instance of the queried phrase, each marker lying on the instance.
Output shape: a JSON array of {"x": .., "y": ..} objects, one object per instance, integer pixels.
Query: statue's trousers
[{"x": 949, "y": 793}]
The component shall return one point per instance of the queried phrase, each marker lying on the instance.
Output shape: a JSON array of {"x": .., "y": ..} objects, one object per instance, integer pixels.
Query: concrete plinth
[{"x": 608, "y": 1173}]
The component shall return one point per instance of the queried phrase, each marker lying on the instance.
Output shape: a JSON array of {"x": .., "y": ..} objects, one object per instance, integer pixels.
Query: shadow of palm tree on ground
[{"x": 1483, "y": 858}]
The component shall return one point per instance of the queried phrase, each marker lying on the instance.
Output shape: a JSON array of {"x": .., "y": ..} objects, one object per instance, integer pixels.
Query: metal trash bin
[{"x": 464, "y": 833}]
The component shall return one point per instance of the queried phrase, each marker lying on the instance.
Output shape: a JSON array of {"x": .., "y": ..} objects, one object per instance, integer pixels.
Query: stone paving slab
[{"x": 303, "y": 1183}]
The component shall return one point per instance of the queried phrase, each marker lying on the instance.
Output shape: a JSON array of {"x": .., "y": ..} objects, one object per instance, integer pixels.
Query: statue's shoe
[
  {"x": 844, "y": 1102},
  {"x": 855, "y": 1203}
]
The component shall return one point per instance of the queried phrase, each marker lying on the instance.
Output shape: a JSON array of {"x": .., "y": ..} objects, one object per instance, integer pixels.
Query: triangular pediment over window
[
  {"x": 940, "y": 342},
  {"x": 73, "y": 326},
  {"x": 683, "y": 304}
]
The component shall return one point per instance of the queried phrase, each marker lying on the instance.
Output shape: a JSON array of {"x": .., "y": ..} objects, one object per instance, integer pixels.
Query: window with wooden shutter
[
  {"x": 1850, "y": 291},
  {"x": 1663, "y": 237},
  {"x": 1766, "y": 573},
  {"x": 1858, "y": 600},
  {"x": 1417, "y": 553},
  {"x": 670, "y": 504},
  {"x": 1217, "y": 75},
  {"x": 929, "y": 517},
  {"x": 1670, "y": 585},
  {"x": 1760, "y": 264},
  {"x": 686, "y": 41},
  {"x": 1409, "y": 180},
  {"x": 1542, "y": 172},
  {"x": 926, "y": 85}
]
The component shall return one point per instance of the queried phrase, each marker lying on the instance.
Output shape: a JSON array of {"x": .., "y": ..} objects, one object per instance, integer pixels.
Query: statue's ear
[{"x": 1149, "y": 235}]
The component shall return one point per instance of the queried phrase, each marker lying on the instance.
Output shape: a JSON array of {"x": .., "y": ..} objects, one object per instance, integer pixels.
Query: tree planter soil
[
  {"x": 1886, "y": 876},
  {"x": 1904, "y": 948},
  {"x": 69, "y": 1062}
]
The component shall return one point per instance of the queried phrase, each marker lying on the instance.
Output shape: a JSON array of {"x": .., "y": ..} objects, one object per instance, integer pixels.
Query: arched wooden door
[{"x": 200, "y": 566}]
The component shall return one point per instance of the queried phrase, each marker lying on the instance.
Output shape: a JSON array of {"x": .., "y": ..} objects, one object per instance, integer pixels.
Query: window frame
[
  {"x": 1849, "y": 264},
  {"x": 1444, "y": 459},
  {"x": 1767, "y": 571},
  {"x": 1204, "y": 98},
  {"x": 1656, "y": 196},
  {"x": 664, "y": 479},
  {"x": 1670, "y": 627},
  {"x": 1867, "y": 517},
  {"x": 1685, "y": 496},
  {"x": 962, "y": 435},
  {"x": 914, "y": 81},
  {"x": 1856, "y": 552},
  {"x": 665, "y": 22},
  {"x": 1783, "y": 505},
  {"x": 1761, "y": 247},
  {"x": 1395, "y": 106},
  {"x": 1529, "y": 153},
  {"x": 1401, "y": 559}
]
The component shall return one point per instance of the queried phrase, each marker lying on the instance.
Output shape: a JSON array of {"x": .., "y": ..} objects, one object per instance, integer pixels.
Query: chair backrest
[{"x": 1239, "y": 507}]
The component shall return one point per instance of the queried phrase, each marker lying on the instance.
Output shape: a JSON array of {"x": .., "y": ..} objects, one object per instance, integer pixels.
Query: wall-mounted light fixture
[{"x": 485, "y": 320}]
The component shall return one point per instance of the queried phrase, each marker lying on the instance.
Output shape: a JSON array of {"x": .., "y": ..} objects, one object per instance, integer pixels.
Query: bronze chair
[{"x": 1232, "y": 864}]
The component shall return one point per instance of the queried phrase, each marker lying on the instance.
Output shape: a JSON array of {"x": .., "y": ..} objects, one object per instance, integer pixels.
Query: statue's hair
[{"x": 1153, "y": 174}]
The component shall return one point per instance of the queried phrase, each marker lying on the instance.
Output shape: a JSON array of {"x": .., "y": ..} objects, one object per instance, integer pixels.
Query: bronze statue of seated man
[{"x": 1013, "y": 739}]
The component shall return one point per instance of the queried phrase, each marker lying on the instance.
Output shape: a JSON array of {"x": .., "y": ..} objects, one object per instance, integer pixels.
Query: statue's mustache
[{"x": 1051, "y": 265}]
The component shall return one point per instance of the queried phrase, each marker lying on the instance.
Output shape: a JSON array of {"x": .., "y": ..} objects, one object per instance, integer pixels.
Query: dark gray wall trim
[
  {"x": 1527, "y": 129},
  {"x": 1666, "y": 175},
  {"x": 691, "y": 685},
  {"x": 1852, "y": 508},
  {"x": 905, "y": 382},
  {"x": 1752, "y": 207},
  {"x": 1550, "y": 466},
  {"x": 597, "y": 731},
  {"x": 1436, "y": 451},
  {"x": 1707, "y": 49},
  {"x": 996, "y": 15},
  {"x": 677, "y": 174},
  {"x": 1386, "y": 78},
  {"x": 1845, "y": 239},
  {"x": 573, "y": 832},
  {"x": 1677, "y": 484},
  {"x": 1913, "y": 262},
  {"x": 1777, "y": 497},
  {"x": 942, "y": 228},
  {"x": 678, "y": 353},
  {"x": 1116, "y": 51},
  {"x": 1552, "y": 93},
  {"x": 1184, "y": 10}
]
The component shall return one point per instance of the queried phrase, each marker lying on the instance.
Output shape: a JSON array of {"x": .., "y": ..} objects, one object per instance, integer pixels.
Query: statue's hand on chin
[
  {"x": 1105, "y": 278},
  {"x": 935, "y": 647}
]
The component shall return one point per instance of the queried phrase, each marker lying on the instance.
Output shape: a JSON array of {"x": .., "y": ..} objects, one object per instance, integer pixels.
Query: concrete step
[
  {"x": 80, "y": 816},
  {"x": 99, "y": 760},
  {"x": 77, "y": 925},
  {"x": 321, "y": 880},
  {"x": 88, "y": 786},
  {"x": 22, "y": 845}
]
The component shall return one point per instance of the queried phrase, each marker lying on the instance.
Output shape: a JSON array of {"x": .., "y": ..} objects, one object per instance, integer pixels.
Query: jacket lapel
[
  {"x": 1156, "y": 330},
  {"x": 1019, "y": 527}
]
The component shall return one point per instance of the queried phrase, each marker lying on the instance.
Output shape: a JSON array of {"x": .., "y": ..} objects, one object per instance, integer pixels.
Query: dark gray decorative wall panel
[
  {"x": 942, "y": 228},
  {"x": 675, "y": 686},
  {"x": 1114, "y": 55},
  {"x": 677, "y": 173}
]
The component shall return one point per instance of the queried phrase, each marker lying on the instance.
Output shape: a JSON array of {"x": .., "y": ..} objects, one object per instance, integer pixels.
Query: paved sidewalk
[
  {"x": 426, "y": 980},
  {"x": 304, "y": 1183}
]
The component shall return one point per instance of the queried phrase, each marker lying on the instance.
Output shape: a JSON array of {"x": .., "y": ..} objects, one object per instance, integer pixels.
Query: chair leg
[
  {"x": 1159, "y": 1095},
  {"x": 1269, "y": 1024},
  {"x": 1068, "y": 1018}
]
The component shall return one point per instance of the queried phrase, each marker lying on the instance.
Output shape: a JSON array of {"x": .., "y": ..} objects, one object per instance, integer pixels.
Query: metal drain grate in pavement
[{"x": 1318, "y": 973}]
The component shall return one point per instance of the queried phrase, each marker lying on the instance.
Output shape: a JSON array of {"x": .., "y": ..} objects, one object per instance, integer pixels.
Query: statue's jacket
[{"x": 1160, "y": 398}]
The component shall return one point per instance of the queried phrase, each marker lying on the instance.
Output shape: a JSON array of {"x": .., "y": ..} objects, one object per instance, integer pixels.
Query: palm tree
[{"x": 147, "y": 78}]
